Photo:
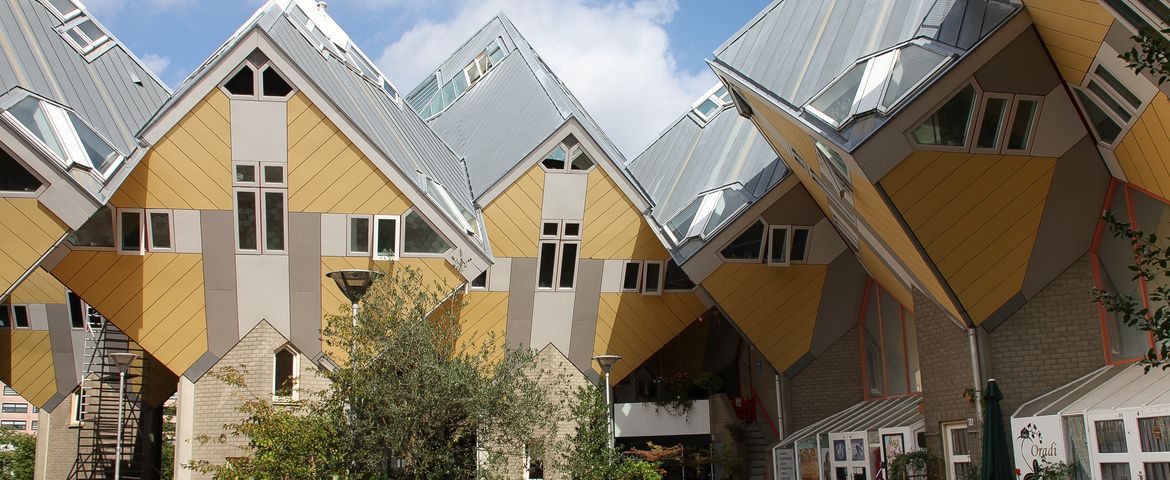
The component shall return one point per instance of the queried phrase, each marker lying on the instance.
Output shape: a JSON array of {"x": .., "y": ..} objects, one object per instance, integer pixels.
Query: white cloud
[
  {"x": 156, "y": 63},
  {"x": 614, "y": 57}
]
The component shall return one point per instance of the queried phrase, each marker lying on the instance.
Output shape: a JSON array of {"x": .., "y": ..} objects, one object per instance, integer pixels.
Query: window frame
[
  {"x": 568, "y": 167},
  {"x": 150, "y": 229},
  {"x": 661, "y": 276},
  {"x": 972, "y": 121},
  {"x": 1138, "y": 89},
  {"x": 259, "y": 79},
  {"x": 1152, "y": 20},
  {"x": 950, "y": 458},
  {"x": 264, "y": 220},
  {"x": 296, "y": 376},
  {"x": 487, "y": 282},
  {"x": 120, "y": 237},
  {"x": 255, "y": 173},
  {"x": 60, "y": 121},
  {"x": 375, "y": 227},
  {"x": 255, "y": 191},
  {"x": 770, "y": 244},
  {"x": 637, "y": 281},
  {"x": 264, "y": 183},
  {"x": 556, "y": 260},
  {"x": 1033, "y": 125},
  {"x": 763, "y": 250},
  {"x": 258, "y": 85},
  {"x": 95, "y": 47},
  {"x": 1001, "y": 126},
  {"x": 792, "y": 242},
  {"x": 33, "y": 173},
  {"x": 349, "y": 251},
  {"x": 560, "y": 240},
  {"x": 560, "y": 263},
  {"x": 76, "y": 408},
  {"x": 405, "y": 254},
  {"x": 64, "y": 16}
]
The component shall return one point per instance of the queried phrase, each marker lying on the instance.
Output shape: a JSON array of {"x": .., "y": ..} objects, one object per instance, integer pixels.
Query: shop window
[
  {"x": 418, "y": 237},
  {"x": 631, "y": 276},
  {"x": 558, "y": 255},
  {"x": 14, "y": 177},
  {"x": 652, "y": 278},
  {"x": 1112, "y": 258},
  {"x": 385, "y": 237},
  {"x": 1154, "y": 433},
  {"x": 131, "y": 234},
  {"x": 95, "y": 233},
  {"x": 676, "y": 279},
  {"x": 285, "y": 374},
  {"x": 748, "y": 246},
  {"x": 160, "y": 230},
  {"x": 1110, "y": 436},
  {"x": 889, "y": 346},
  {"x": 948, "y": 126}
]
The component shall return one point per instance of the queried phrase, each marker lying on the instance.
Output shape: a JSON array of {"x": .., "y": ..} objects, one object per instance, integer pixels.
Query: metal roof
[
  {"x": 795, "y": 48},
  {"x": 691, "y": 157},
  {"x": 864, "y": 416},
  {"x": 114, "y": 93},
  {"x": 516, "y": 105},
  {"x": 1107, "y": 389}
]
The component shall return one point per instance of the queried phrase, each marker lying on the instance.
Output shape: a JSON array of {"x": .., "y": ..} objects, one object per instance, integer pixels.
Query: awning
[
  {"x": 865, "y": 416},
  {"x": 1111, "y": 388}
]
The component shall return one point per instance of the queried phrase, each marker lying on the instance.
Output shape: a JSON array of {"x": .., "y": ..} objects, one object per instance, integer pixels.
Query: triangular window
[
  {"x": 748, "y": 246},
  {"x": 948, "y": 126},
  {"x": 14, "y": 177},
  {"x": 420, "y": 237},
  {"x": 243, "y": 82},
  {"x": 274, "y": 85}
]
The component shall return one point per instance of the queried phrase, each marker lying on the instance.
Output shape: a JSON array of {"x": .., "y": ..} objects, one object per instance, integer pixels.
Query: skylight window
[
  {"x": 876, "y": 83},
  {"x": 85, "y": 35},
  {"x": 464, "y": 79},
  {"x": 712, "y": 102},
  {"x": 705, "y": 214},
  {"x": 466, "y": 220},
  {"x": 66, "y": 9},
  {"x": 63, "y": 134}
]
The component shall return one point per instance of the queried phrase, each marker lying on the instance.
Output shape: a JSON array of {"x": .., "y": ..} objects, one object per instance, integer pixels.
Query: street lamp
[
  {"x": 122, "y": 361},
  {"x": 353, "y": 284},
  {"x": 606, "y": 362}
]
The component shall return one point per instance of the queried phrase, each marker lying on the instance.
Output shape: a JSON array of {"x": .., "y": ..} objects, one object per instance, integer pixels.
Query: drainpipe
[
  {"x": 976, "y": 374},
  {"x": 779, "y": 408}
]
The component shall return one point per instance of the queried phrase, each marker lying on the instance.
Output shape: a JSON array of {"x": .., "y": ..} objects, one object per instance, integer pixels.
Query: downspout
[
  {"x": 780, "y": 408},
  {"x": 976, "y": 373}
]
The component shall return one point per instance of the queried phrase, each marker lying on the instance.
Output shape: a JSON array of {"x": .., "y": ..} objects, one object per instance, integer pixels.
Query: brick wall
[
  {"x": 56, "y": 435},
  {"x": 554, "y": 364},
  {"x": 829, "y": 384},
  {"x": 944, "y": 355}
]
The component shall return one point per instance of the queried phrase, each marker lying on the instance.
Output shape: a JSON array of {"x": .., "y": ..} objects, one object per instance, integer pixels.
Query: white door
[
  {"x": 1133, "y": 445},
  {"x": 958, "y": 455},
  {"x": 849, "y": 456}
]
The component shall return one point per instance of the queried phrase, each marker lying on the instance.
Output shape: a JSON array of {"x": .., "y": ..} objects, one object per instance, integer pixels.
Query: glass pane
[
  {"x": 460, "y": 83},
  {"x": 274, "y": 174},
  {"x": 568, "y": 265},
  {"x": 274, "y": 85},
  {"x": 728, "y": 203},
  {"x": 747, "y": 245},
  {"x": 131, "y": 231},
  {"x": 1077, "y": 446},
  {"x": 419, "y": 237},
  {"x": 681, "y": 223},
  {"x": 572, "y": 229},
  {"x": 912, "y": 365},
  {"x": 1155, "y": 434},
  {"x": 993, "y": 114},
  {"x": 778, "y": 249},
  {"x": 283, "y": 384},
  {"x": 20, "y": 316},
  {"x": 653, "y": 272},
  {"x": 14, "y": 177},
  {"x": 1157, "y": 471},
  {"x": 1022, "y": 124},
  {"x": 246, "y": 173},
  {"x": 706, "y": 108},
  {"x": 1107, "y": 129},
  {"x": 160, "y": 230},
  {"x": 799, "y": 245},
  {"x": 581, "y": 160},
  {"x": 837, "y": 101},
  {"x": 91, "y": 30},
  {"x": 1115, "y": 471},
  {"x": 1110, "y": 436},
  {"x": 1116, "y": 255},
  {"x": 544, "y": 277},
  {"x": 1127, "y": 95},
  {"x": 246, "y": 219},
  {"x": 98, "y": 231},
  {"x": 359, "y": 235},
  {"x": 871, "y": 331},
  {"x": 99, "y": 153},
  {"x": 480, "y": 281},
  {"x": 895, "y": 371},
  {"x": 243, "y": 83},
  {"x": 5, "y": 320},
  {"x": 1108, "y": 100},
  {"x": 386, "y": 243},
  {"x": 31, "y": 113},
  {"x": 274, "y": 221},
  {"x": 550, "y": 229},
  {"x": 555, "y": 160},
  {"x": 948, "y": 126},
  {"x": 76, "y": 311},
  {"x": 962, "y": 470},
  {"x": 630, "y": 276},
  {"x": 914, "y": 63},
  {"x": 64, "y": 7},
  {"x": 959, "y": 442},
  {"x": 676, "y": 278}
]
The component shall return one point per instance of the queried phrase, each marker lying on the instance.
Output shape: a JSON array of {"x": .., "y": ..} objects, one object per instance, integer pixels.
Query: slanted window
[
  {"x": 284, "y": 385},
  {"x": 948, "y": 126},
  {"x": 14, "y": 177},
  {"x": 677, "y": 279},
  {"x": 97, "y": 232},
  {"x": 65, "y": 9},
  {"x": 798, "y": 248},
  {"x": 84, "y": 34},
  {"x": 889, "y": 347},
  {"x": 1149, "y": 17},
  {"x": 748, "y": 246},
  {"x": 243, "y": 83},
  {"x": 992, "y": 115},
  {"x": 77, "y": 310},
  {"x": 462, "y": 217},
  {"x": 459, "y": 83},
  {"x": 418, "y": 237},
  {"x": 569, "y": 155},
  {"x": 359, "y": 235},
  {"x": 385, "y": 237},
  {"x": 64, "y": 135},
  {"x": 131, "y": 234},
  {"x": 711, "y": 103},
  {"x": 705, "y": 214},
  {"x": 876, "y": 83},
  {"x": 160, "y": 230},
  {"x": 559, "y": 246},
  {"x": 631, "y": 276},
  {"x": 274, "y": 85},
  {"x": 652, "y": 278},
  {"x": 546, "y": 265},
  {"x": 778, "y": 239},
  {"x": 20, "y": 316},
  {"x": 834, "y": 168},
  {"x": 480, "y": 282},
  {"x": 1109, "y": 98}
]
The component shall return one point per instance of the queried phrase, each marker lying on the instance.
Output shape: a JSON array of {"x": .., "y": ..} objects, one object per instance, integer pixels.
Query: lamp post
[
  {"x": 606, "y": 362},
  {"x": 122, "y": 360},
  {"x": 353, "y": 284}
]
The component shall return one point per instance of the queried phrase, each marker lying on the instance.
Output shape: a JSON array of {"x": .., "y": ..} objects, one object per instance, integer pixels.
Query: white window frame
[
  {"x": 973, "y": 115},
  {"x": 349, "y": 251},
  {"x": 255, "y": 88},
  {"x": 296, "y": 376},
  {"x": 1010, "y": 123},
  {"x": 568, "y": 168},
  {"x": 94, "y": 45},
  {"x": 255, "y": 172},
  {"x": 487, "y": 282},
  {"x": 1151, "y": 19},
  {"x": 12, "y": 316},
  {"x": 1002, "y": 125},
  {"x": 576, "y": 265},
  {"x": 840, "y": 180},
  {"x": 150, "y": 229},
  {"x": 65, "y": 133},
  {"x": 402, "y": 231},
  {"x": 141, "y": 231},
  {"x": 950, "y": 459},
  {"x": 64, "y": 16},
  {"x": 787, "y": 245},
  {"x": 792, "y": 241},
  {"x": 1139, "y": 86},
  {"x": 263, "y": 214},
  {"x": 259, "y": 79},
  {"x": 259, "y": 220},
  {"x": 76, "y": 411},
  {"x": 564, "y": 231},
  {"x": 637, "y": 283},
  {"x": 760, "y": 255},
  {"x": 661, "y": 276},
  {"x": 720, "y": 103},
  {"x": 560, "y": 240},
  {"x": 283, "y": 183},
  {"x": 398, "y": 241},
  {"x": 556, "y": 264}
]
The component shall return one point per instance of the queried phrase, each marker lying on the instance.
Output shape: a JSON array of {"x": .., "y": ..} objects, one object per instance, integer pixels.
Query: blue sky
[{"x": 657, "y": 45}]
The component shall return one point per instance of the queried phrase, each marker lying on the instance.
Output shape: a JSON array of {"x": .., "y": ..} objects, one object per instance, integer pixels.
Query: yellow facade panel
[
  {"x": 1072, "y": 30},
  {"x": 483, "y": 315},
  {"x": 613, "y": 228},
  {"x": 1144, "y": 152},
  {"x": 29, "y": 369},
  {"x": 513, "y": 218},
  {"x": 28, "y": 230},
  {"x": 39, "y": 287},
  {"x": 636, "y": 326}
]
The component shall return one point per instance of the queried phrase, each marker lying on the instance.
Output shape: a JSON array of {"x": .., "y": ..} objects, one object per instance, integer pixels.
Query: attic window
[
  {"x": 462, "y": 80},
  {"x": 712, "y": 102},
  {"x": 85, "y": 35},
  {"x": 269, "y": 84},
  {"x": 948, "y": 126},
  {"x": 66, "y": 9},
  {"x": 14, "y": 177},
  {"x": 62, "y": 133},
  {"x": 243, "y": 82},
  {"x": 568, "y": 155},
  {"x": 705, "y": 214},
  {"x": 274, "y": 85},
  {"x": 876, "y": 83}
]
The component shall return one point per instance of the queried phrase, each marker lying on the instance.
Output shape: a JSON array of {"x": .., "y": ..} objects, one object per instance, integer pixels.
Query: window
[
  {"x": 1112, "y": 257},
  {"x": 1108, "y": 98},
  {"x": 14, "y": 424},
  {"x": 130, "y": 231},
  {"x": 159, "y": 230},
  {"x": 14, "y": 177},
  {"x": 96, "y": 233},
  {"x": 631, "y": 276},
  {"x": 459, "y": 83},
  {"x": 9, "y": 391},
  {"x": 652, "y": 278},
  {"x": 948, "y": 126},
  {"x": 834, "y": 168},
  {"x": 569, "y": 155},
  {"x": 798, "y": 250},
  {"x": 268, "y": 84},
  {"x": 1154, "y": 433},
  {"x": 76, "y": 408},
  {"x": 876, "y": 83},
  {"x": 77, "y": 310},
  {"x": 359, "y": 235},
  {"x": 1110, "y": 436},
  {"x": 748, "y": 246},
  {"x": 20, "y": 316},
  {"x": 35, "y": 409},
  {"x": 261, "y": 196},
  {"x": 65, "y": 9},
  {"x": 272, "y": 84},
  {"x": 778, "y": 245},
  {"x": 993, "y": 113},
  {"x": 1006, "y": 123},
  {"x": 480, "y": 282},
  {"x": 63, "y": 134},
  {"x": 558, "y": 255},
  {"x": 14, "y": 408},
  {"x": 243, "y": 82},
  {"x": 705, "y": 214},
  {"x": 711, "y": 103},
  {"x": 35, "y": 425},
  {"x": 385, "y": 237},
  {"x": 535, "y": 470},
  {"x": 5, "y": 316},
  {"x": 418, "y": 237},
  {"x": 889, "y": 347},
  {"x": 1145, "y": 16},
  {"x": 284, "y": 374},
  {"x": 462, "y": 217},
  {"x": 958, "y": 453},
  {"x": 84, "y": 34},
  {"x": 677, "y": 279}
]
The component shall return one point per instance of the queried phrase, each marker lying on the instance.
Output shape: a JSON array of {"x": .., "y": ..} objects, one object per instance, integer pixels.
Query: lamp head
[
  {"x": 354, "y": 283},
  {"x": 606, "y": 362},
  {"x": 122, "y": 360}
]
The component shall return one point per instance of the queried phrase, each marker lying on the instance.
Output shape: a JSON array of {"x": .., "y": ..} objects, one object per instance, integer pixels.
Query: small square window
[
  {"x": 130, "y": 231},
  {"x": 160, "y": 230},
  {"x": 274, "y": 176},
  {"x": 385, "y": 237},
  {"x": 631, "y": 276},
  {"x": 245, "y": 174},
  {"x": 550, "y": 229},
  {"x": 572, "y": 229},
  {"x": 20, "y": 316}
]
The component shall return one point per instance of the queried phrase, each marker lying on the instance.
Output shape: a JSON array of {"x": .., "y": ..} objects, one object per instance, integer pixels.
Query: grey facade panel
[
  {"x": 304, "y": 232},
  {"x": 522, "y": 294},
  {"x": 61, "y": 343},
  {"x": 585, "y": 306},
  {"x": 838, "y": 312},
  {"x": 219, "y": 280},
  {"x": 1001, "y": 73}
]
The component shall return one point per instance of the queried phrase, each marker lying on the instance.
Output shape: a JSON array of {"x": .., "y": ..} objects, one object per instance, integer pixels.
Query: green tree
[
  {"x": 166, "y": 468},
  {"x": 1152, "y": 265},
  {"x": 18, "y": 452},
  {"x": 586, "y": 454},
  {"x": 1150, "y": 53}
]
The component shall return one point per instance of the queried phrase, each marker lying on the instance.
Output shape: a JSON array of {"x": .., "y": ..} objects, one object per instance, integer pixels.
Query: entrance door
[
  {"x": 1132, "y": 445},
  {"x": 958, "y": 455},
  {"x": 849, "y": 456}
]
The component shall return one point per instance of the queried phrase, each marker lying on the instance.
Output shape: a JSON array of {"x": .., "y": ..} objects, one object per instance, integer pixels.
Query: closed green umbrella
[{"x": 997, "y": 459}]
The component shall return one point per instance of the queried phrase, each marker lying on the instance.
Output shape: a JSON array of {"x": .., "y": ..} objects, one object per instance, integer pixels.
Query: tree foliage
[
  {"x": 18, "y": 453},
  {"x": 1152, "y": 265},
  {"x": 409, "y": 399},
  {"x": 1150, "y": 54},
  {"x": 587, "y": 455}
]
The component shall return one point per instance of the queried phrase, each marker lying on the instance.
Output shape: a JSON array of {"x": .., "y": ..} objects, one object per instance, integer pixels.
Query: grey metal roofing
[
  {"x": 395, "y": 130},
  {"x": 864, "y": 416},
  {"x": 1110, "y": 388},
  {"x": 516, "y": 105},
  {"x": 690, "y": 158},
  {"x": 795, "y": 48},
  {"x": 103, "y": 92}
]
